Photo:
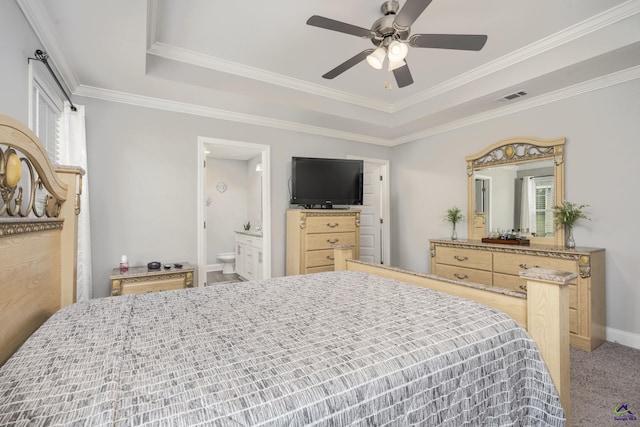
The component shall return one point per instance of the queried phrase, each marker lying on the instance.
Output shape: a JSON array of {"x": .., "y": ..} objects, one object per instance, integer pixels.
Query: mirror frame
[{"x": 514, "y": 151}]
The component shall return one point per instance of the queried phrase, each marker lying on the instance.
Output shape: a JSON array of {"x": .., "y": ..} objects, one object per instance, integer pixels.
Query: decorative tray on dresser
[{"x": 499, "y": 265}]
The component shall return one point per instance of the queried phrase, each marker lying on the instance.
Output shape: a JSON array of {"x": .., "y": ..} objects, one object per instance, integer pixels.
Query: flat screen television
[{"x": 326, "y": 182}]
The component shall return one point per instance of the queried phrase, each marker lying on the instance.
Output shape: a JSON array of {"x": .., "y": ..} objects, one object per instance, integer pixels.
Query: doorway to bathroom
[{"x": 233, "y": 200}]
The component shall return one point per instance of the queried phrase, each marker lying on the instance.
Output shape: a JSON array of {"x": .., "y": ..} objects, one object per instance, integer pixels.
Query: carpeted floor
[{"x": 601, "y": 382}]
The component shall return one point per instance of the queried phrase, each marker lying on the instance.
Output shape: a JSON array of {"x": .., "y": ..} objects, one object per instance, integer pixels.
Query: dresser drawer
[
  {"x": 463, "y": 274},
  {"x": 517, "y": 283},
  {"x": 465, "y": 258},
  {"x": 320, "y": 269},
  {"x": 515, "y": 263},
  {"x": 508, "y": 281},
  {"x": 325, "y": 240},
  {"x": 319, "y": 258},
  {"x": 330, "y": 224},
  {"x": 311, "y": 233},
  {"x": 143, "y": 287},
  {"x": 586, "y": 294},
  {"x": 141, "y": 280}
]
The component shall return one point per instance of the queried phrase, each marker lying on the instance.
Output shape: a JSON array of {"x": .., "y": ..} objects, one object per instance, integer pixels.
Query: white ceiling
[{"x": 258, "y": 61}]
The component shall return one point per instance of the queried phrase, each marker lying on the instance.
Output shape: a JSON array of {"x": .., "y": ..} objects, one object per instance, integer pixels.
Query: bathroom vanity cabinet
[
  {"x": 311, "y": 234},
  {"x": 249, "y": 256},
  {"x": 500, "y": 265}
]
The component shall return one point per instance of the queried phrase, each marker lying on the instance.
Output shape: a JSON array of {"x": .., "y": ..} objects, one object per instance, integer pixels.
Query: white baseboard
[
  {"x": 622, "y": 337},
  {"x": 214, "y": 267}
]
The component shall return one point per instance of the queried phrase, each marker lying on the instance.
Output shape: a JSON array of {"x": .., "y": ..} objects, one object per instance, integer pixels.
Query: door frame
[
  {"x": 488, "y": 217},
  {"x": 201, "y": 188},
  {"x": 385, "y": 206}
]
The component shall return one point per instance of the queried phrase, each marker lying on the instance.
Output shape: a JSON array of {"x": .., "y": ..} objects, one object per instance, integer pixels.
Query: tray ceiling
[{"x": 260, "y": 63}]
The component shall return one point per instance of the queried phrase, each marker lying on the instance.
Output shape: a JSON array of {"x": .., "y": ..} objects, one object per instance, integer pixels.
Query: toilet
[{"x": 228, "y": 262}]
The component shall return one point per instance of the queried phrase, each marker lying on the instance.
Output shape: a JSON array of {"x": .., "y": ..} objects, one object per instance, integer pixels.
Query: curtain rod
[{"x": 43, "y": 57}]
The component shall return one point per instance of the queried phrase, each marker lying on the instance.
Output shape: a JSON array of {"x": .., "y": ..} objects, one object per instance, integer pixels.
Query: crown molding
[
  {"x": 163, "y": 50},
  {"x": 551, "y": 97},
  {"x": 588, "y": 26},
  {"x": 152, "y": 22},
  {"x": 39, "y": 19},
  {"x": 206, "y": 61},
  {"x": 581, "y": 29},
  {"x": 215, "y": 113},
  {"x": 185, "y": 108}
]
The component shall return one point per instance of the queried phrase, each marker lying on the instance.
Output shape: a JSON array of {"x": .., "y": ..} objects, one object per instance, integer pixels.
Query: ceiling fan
[{"x": 391, "y": 34}]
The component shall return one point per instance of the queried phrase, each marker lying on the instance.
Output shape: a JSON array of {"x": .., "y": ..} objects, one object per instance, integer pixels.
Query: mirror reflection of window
[
  {"x": 535, "y": 216},
  {"x": 544, "y": 197}
]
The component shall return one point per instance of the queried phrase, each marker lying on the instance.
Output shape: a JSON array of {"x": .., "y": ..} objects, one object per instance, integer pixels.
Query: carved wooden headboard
[{"x": 38, "y": 234}]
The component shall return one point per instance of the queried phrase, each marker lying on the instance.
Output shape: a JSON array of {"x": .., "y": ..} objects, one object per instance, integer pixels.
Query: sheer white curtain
[
  {"x": 73, "y": 152},
  {"x": 528, "y": 205}
]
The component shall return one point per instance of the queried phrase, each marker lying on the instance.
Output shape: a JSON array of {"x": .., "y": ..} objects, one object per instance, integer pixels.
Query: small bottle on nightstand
[{"x": 124, "y": 264}]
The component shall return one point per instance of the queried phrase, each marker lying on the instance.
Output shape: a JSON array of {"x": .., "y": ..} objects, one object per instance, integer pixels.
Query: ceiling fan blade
[
  {"x": 331, "y": 24},
  {"x": 449, "y": 41},
  {"x": 348, "y": 64},
  {"x": 411, "y": 10},
  {"x": 403, "y": 76}
]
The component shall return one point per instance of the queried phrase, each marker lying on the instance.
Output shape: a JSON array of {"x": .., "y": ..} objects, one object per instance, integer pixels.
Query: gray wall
[
  {"x": 142, "y": 164},
  {"x": 602, "y": 153},
  {"x": 17, "y": 43}
]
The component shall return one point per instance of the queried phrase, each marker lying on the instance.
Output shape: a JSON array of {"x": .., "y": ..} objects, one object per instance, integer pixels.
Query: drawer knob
[
  {"x": 333, "y": 241},
  {"x": 523, "y": 287},
  {"x": 524, "y": 266},
  {"x": 332, "y": 224},
  {"x": 329, "y": 257},
  {"x": 461, "y": 276},
  {"x": 461, "y": 258}
]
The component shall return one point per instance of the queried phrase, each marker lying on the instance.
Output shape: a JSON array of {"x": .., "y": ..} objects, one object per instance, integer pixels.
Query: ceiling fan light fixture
[
  {"x": 394, "y": 65},
  {"x": 397, "y": 51},
  {"x": 376, "y": 58}
]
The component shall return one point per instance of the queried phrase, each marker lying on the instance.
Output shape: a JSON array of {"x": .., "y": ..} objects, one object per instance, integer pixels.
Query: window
[{"x": 45, "y": 110}]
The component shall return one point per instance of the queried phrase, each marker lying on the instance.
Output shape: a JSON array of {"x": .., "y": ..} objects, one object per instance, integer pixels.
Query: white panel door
[{"x": 370, "y": 224}]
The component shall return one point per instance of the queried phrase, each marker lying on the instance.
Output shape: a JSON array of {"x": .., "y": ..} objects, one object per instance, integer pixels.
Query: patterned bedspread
[{"x": 328, "y": 349}]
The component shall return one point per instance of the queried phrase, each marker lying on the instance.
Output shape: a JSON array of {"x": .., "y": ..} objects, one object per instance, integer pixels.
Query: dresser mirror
[{"x": 514, "y": 185}]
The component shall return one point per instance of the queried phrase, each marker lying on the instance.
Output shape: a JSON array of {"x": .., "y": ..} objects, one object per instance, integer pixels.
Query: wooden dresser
[
  {"x": 141, "y": 280},
  {"x": 311, "y": 234},
  {"x": 500, "y": 265}
]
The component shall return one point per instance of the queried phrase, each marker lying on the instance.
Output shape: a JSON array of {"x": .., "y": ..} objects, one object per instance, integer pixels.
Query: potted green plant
[
  {"x": 453, "y": 215},
  {"x": 566, "y": 215}
]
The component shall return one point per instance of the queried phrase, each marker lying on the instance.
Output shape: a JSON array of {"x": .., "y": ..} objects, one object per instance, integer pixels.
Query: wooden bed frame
[
  {"x": 38, "y": 263},
  {"x": 37, "y": 254},
  {"x": 543, "y": 310}
]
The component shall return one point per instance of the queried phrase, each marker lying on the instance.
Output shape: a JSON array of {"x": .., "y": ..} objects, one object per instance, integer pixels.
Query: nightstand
[{"x": 141, "y": 280}]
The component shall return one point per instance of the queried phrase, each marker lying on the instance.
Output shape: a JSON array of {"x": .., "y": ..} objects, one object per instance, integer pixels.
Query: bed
[{"x": 363, "y": 345}]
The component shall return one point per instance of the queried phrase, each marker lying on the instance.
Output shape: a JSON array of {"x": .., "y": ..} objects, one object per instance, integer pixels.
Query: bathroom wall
[{"x": 226, "y": 211}]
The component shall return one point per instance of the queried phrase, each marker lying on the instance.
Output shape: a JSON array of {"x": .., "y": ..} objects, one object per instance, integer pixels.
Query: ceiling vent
[{"x": 511, "y": 96}]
